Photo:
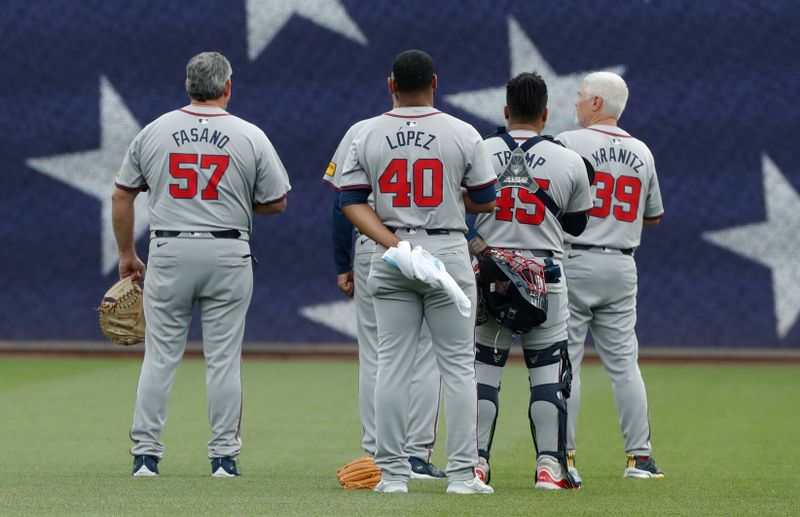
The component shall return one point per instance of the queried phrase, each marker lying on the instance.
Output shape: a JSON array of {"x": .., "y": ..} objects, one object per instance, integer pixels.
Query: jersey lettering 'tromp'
[
  {"x": 558, "y": 171},
  {"x": 415, "y": 160},
  {"x": 625, "y": 187},
  {"x": 204, "y": 169}
]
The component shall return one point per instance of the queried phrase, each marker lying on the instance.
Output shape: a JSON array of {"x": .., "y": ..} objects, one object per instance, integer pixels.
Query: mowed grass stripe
[{"x": 725, "y": 435}]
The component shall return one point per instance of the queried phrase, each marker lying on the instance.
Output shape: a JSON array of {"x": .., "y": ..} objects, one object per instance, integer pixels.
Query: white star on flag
[
  {"x": 93, "y": 172},
  {"x": 562, "y": 90},
  {"x": 265, "y": 18},
  {"x": 340, "y": 316},
  {"x": 774, "y": 243}
]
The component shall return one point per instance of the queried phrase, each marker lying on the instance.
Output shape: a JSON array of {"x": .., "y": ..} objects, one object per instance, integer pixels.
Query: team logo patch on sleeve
[{"x": 331, "y": 169}]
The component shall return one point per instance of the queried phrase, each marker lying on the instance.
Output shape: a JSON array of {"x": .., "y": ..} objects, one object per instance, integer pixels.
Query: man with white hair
[{"x": 599, "y": 266}]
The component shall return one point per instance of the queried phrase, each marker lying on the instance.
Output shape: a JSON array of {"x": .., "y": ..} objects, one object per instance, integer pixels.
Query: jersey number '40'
[
  {"x": 178, "y": 169},
  {"x": 626, "y": 191},
  {"x": 506, "y": 202},
  {"x": 394, "y": 180}
]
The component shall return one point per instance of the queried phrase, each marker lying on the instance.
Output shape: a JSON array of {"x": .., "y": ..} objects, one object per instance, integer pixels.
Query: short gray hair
[
  {"x": 206, "y": 75},
  {"x": 611, "y": 88}
]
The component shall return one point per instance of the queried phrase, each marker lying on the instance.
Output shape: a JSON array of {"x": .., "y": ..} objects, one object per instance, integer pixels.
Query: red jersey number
[
  {"x": 185, "y": 167},
  {"x": 514, "y": 203},
  {"x": 427, "y": 181},
  {"x": 626, "y": 191}
]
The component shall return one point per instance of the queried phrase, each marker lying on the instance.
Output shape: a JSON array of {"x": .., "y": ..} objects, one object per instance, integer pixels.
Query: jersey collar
[
  {"x": 207, "y": 111},
  {"x": 610, "y": 130},
  {"x": 413, "y": 112},
  {"x": 521, "y": 135}
]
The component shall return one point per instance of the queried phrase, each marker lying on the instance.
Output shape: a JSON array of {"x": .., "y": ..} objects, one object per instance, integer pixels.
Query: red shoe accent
[
  {"x": 545, "y": 477},
  {"x": 481, "y": 474}
]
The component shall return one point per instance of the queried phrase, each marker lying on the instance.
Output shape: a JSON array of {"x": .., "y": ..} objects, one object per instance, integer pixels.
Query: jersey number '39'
[
  {"x": 626, "y": 191},
  {"x": 504, "y": 208},
  {"x": 177, "y": 169},
  {"x": 427, "y": 177}
]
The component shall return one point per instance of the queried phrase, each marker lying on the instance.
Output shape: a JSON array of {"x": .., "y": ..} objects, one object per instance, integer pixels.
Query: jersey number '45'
[
  {"x": 178, "y": 169},
  {"x": 427, "y": 178},
  {"x": 510, "y": 197},
  {"x": 626, "y": 191}
]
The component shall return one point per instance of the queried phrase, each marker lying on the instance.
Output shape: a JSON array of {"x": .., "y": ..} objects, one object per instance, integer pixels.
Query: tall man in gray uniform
[
  {"x": 534, "y": 226},
  {"x": 415, "y": 160},
  {"x": 423, "y": 409},
  {"x": 207, "y": 172},
  {"x": 600, "y": 269}
]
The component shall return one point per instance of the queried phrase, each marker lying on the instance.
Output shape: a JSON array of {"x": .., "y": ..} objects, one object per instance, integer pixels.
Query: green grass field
[{"x": 727, "y": 437}]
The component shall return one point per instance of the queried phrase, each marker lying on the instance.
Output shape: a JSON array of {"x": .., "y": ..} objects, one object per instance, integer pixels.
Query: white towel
[{"x": 418, "y": 264}]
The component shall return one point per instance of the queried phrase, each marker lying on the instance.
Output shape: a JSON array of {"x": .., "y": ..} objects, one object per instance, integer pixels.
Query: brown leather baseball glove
[
  {"x": 359, "y": 474},
  {"x": 122, "y": 313}
]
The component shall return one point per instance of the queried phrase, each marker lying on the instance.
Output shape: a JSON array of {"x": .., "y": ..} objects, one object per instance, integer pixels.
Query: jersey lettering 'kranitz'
[
  {"x": 521, "y": 220},
  {"x": 204, "y": 169},
  {"x": 625, "y": 188},
  {"x": 415, "y": 160}
]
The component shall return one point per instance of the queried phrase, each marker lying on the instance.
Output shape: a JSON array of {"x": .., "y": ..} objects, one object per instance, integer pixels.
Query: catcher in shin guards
[{"x": 542, "y": 191}]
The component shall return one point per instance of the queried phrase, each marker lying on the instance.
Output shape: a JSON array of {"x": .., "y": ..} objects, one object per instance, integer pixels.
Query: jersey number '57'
[
  {"x": 184, "y": 167},
  {"x": 427, "y": 178}
]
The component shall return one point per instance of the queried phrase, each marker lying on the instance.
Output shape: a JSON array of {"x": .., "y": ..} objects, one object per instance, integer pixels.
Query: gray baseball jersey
[
  {"x": 625, "y": 186},
  {"x": 602, "y": 277},
  {"x": 521, "y": 222},
  {"x": 423, "y": 408},
  {"x": 205, "y": 169},
  {"x": 418, "y": 159},
  {"x": 415, "y": 160}
]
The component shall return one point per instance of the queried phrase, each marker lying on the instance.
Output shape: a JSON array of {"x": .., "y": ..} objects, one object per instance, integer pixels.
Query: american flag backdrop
[{"x": 714, "y": 93}]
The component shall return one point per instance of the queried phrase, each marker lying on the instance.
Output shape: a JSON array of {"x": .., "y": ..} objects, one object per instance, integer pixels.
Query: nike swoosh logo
[
  {"x": 159, "y": 244},
  {"x": 364, "y": 239},
  {"x": 573, "y": 256}
]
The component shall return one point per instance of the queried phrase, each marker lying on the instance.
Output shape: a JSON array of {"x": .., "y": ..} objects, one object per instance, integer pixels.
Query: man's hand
[
  {"x": 345, "y": 283},
  {"x": 131, "y": 265}
]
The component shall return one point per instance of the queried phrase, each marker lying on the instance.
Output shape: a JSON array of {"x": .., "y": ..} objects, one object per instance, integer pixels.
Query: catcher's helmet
[{"x": 513, "y": 289}]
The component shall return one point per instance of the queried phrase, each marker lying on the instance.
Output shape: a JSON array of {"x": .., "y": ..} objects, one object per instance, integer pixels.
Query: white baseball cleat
[
  {"x": 550, "y": 475},
  {"x": 471, "y": 486},
  {"x": 482, "y": 470},
  {"x": 391, "y": 487}
]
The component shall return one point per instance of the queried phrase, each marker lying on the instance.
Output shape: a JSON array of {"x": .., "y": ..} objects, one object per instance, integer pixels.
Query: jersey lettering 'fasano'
[
  {"x": 520, "y": 220},
  {"x": 415, "y": 160},
  {"x": 204, "y": 168},
  {"x": 625, "y": 186}
]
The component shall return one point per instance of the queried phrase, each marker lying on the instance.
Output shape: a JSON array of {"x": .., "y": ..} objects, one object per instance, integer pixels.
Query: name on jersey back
[
  {"x": 619, "y": 155},
  {"x": 214, "y": 137},
  {"x": 410, "y": 137},
  {"x": 532, "y": 160}
]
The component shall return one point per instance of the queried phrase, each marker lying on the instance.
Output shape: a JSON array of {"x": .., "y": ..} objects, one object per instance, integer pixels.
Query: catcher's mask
[{"x": 514, "y": 290}]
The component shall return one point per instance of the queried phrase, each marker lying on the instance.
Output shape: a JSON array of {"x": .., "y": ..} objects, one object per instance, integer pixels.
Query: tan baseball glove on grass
[{"x": 359, "y": 474}]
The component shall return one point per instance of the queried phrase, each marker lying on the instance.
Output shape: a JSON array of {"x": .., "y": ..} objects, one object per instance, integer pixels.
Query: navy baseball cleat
[
  {"x": 224, "y": 468},
  {"x": 423, "y": 470},
  {"x": 643, "y": 467},
  {"x": 145, "y": 466}
]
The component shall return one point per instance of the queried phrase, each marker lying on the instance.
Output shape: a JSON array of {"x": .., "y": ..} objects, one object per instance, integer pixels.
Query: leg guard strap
[{"x": 491, "y": 356}]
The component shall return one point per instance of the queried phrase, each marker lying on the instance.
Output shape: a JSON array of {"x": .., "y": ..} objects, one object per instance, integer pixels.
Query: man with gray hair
[
  {"x": 600, "y": 269},
  {"x": 207, "y": 172}
]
